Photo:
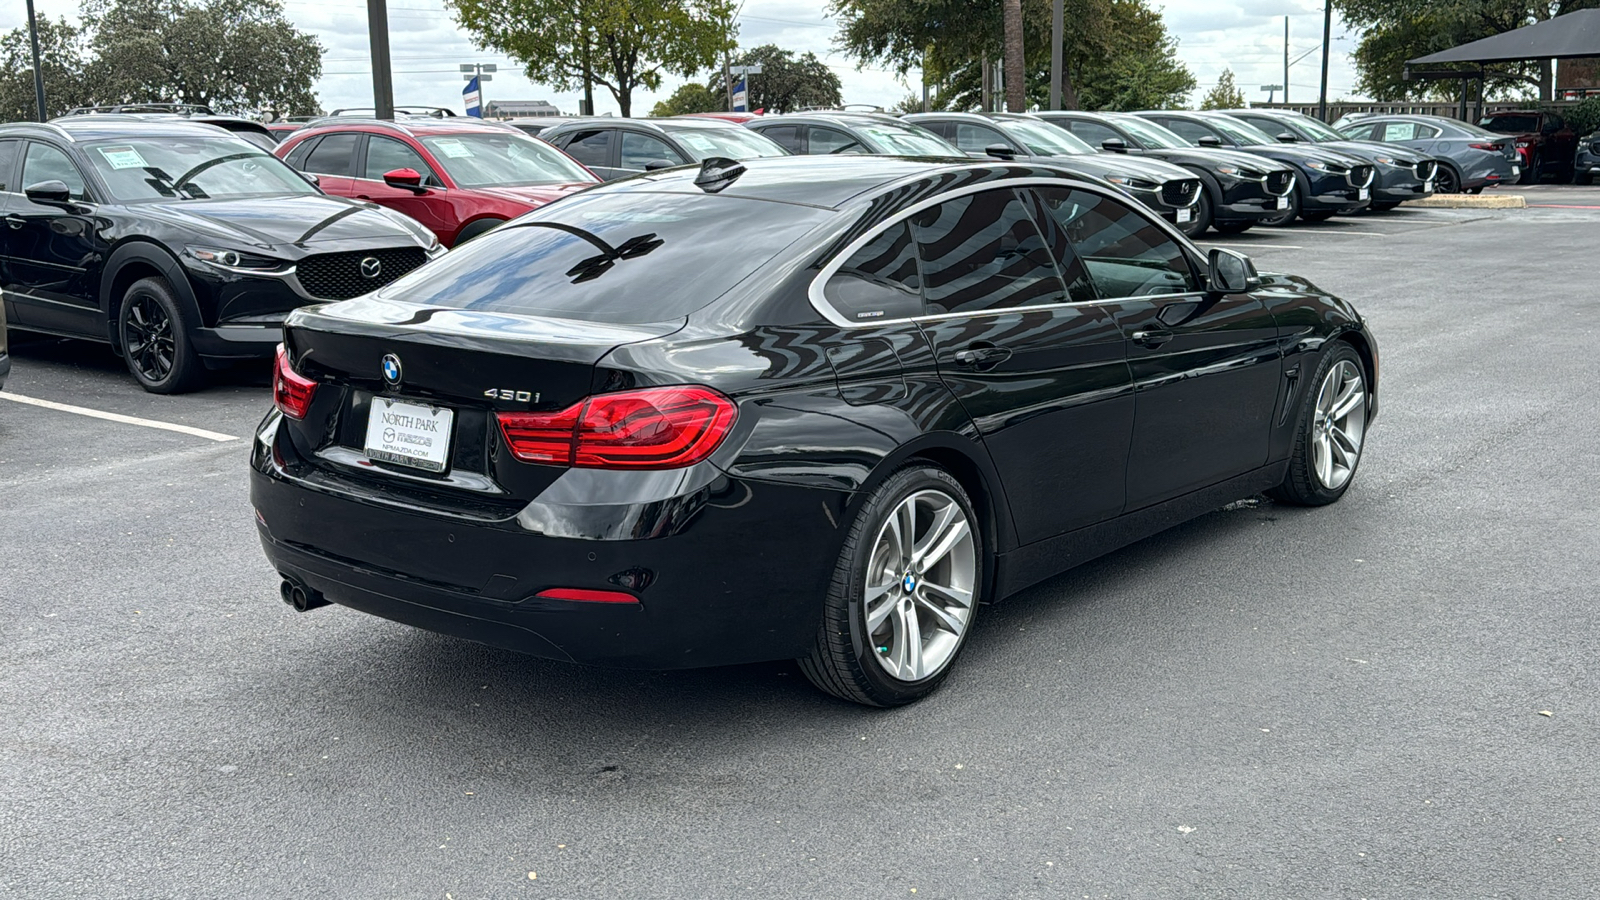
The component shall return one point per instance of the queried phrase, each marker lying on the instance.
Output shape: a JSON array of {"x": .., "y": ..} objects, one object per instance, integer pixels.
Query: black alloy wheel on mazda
[{"x": 821, "y": 408}]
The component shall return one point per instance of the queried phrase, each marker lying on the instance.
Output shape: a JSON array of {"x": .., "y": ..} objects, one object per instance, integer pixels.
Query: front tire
[
  {"x": 1530, "y": 175},
  {"x": 154, "y": 333},
  {"x": 1286, "y": 216},
  {"x": 1232, "y": 227},
  {"x": 904, "y": 595},
  {"x": 1330, "y": 434},
  {"x": 1447, "y": 181}
]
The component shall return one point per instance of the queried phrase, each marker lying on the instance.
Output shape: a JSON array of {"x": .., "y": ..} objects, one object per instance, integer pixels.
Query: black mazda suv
[
  {"x": 817, "y": 407},
  {"x": 179, "y": 244}
]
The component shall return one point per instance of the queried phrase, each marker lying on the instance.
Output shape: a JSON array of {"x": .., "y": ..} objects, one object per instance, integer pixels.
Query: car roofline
[{"x": 50, "y": 128}]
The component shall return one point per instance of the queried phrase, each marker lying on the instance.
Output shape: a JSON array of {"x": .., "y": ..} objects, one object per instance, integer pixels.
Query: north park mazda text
[{"x": 819, "y": 408}]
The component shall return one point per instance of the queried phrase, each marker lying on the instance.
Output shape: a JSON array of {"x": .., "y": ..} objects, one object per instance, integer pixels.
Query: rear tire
[
  {"x": 1583, "y": 178},
  {"x": 154, "y": 332},
  {"x": 1330, "y": 433},
  {"x": 904, "y": 594}
]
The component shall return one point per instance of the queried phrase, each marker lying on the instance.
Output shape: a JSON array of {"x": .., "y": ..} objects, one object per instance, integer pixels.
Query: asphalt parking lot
[{"x": 1391, "y": 697}]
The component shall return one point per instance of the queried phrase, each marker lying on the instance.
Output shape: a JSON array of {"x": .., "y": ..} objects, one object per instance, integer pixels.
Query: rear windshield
[
  {"x": 625, "y": 258},
  {"x": 1510, "y": 124}
]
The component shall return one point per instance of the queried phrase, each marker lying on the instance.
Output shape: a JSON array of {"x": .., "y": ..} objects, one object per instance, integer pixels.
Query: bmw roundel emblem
[
  {"x": 391, "y": 369},
  {"x": 908, "y": 583}
]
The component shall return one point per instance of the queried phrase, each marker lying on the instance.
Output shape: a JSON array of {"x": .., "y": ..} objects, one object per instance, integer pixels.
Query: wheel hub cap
[
  {"x": 921, "y": 586},
  {"x": 1338, "y": 425}
]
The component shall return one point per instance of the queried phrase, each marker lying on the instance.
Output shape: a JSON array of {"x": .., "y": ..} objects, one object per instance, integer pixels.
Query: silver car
[{"x": 1470, "y": 158}]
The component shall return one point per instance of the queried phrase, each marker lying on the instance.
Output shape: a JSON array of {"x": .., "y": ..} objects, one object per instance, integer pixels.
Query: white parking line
[
  {"x": 115, "y": 417},
  {"x": 1253, "y": 246},
  {"x": 1347, "y": 233}
]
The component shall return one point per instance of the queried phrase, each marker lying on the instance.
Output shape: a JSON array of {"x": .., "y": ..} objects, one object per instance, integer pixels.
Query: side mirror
[
  {"x": 50, "y": 193},
  {"x": 654, "y": 164},
  {"x": 312, "y": 178},
  {"x": 405, "y": 179},
  {"x": 1231, "y": 272},
  {"x": 1114, "y": 145},
  {"x": 1000, "y": 151},
  {"x": 1210, "y": 141},
  {"x": 1287, "y": 138}
]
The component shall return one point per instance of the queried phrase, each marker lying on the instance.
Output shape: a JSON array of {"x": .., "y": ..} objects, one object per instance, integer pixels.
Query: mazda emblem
[
  {"x": 391, "y": 369},
  {"x": 371, "y": 267}
]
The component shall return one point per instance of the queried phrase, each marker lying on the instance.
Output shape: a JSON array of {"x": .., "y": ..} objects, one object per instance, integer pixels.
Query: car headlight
[
  {"x": 1316, "y": 164},
  {"x": 1386, "y": 160},
  {"x": 233, "y": 259},
  {"x": 1129, "y": 181},
  {"x": 1227, "y": 170}
]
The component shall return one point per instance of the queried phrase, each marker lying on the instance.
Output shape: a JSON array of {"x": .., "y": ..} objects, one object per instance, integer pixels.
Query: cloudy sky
[{"x": 427, "y": 47}]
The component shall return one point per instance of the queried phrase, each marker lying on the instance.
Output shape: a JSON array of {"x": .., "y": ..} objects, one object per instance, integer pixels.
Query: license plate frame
[
  {"x": 1280, "y": 203},
  {"x": 409, "y": 433},
  {"x": 1185, "y": 216},
  {"x": 1364, "y": 194}
]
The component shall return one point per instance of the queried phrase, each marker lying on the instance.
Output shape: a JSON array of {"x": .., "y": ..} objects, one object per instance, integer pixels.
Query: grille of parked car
[
  {"x": 340, "y": 276},
  {"x": 1360, "y": 176},
  {"x": 1595, "y": 147},
  {"x": 1280, "y": 182},
  {"x": 1180, "y": 192},
  {"x": 1427, "y": 168}
]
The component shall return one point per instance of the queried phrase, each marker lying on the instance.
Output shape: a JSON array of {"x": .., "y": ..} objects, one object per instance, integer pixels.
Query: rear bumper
[{"x": 732, "y": 572}]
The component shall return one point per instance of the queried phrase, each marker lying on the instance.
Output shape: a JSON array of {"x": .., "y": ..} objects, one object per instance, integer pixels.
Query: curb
[{"x": 1471, "y": 201}]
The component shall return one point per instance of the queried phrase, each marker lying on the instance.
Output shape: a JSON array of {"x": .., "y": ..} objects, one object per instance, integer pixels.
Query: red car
[{"x": 458, "y": 178}]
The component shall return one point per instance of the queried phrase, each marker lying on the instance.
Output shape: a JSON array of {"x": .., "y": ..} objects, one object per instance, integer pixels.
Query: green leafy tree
[
  {"x": 1225, "y": 95},
  {"x": 622, "y": 45},
  {"x": 1394, "y": 31},
  {"x": 787, "y": 82},
  {"x": 1118, "y": 53},
  {"x": 692, "y": 97},
  {"x": 61, "y": 50},
  {"x": 233, "y": 55}
]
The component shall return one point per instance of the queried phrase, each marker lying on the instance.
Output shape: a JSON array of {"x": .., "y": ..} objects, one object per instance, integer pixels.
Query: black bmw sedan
[
  {"x": 179, "y": 244},
  {"x": 819, "y": 408},
  {"x": 1241, "y": 189}
]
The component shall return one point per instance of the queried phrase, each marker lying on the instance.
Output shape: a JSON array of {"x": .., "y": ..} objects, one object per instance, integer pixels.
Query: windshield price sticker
[
  {"x": 409, "y": 434},
  {"x": 453, "y": 149},
  {"x": 123, "y": 157}
]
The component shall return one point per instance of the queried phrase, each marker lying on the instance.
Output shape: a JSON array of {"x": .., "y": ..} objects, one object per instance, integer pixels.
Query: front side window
[
  {"x": 184, "y": 167},
  {"x": 502, "y": 159},
  {"x": 1045, "y": 140},
  {"x": 334, "y": 154},
  {"x": 880, "y": 280},
  {"x": 972, "y": 138},
  {"x": 824, "y": 141},
  {"x": 785, "y": 136},
  {"x": 387, "y": 154},
  {"x": 1189, "y": 131},
  {"x": 1152, "y": 135},
  {"x": 1092, "y": 133},
  {"x": 1126, "y": 254},
  {"x": 46, "y": 163},
  {"x": 983, "y": 251},
  {"x": 640, "y": 150},
  {"x": 1241, "y": 133}
]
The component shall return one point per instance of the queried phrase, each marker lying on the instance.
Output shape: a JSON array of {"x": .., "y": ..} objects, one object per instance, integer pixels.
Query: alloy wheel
[
  {"x": 1445, "y": 181},
  {"x": 147, "y": 338},
  {"x": 920, "y": 585},
  {"x": 1338, "y": 426}
]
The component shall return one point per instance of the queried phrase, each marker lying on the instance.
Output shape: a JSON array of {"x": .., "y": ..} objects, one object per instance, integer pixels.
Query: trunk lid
[{"x": 472, "y": 363}]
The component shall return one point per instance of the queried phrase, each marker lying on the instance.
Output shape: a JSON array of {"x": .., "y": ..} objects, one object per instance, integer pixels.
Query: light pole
[
  {"x": 1327, "y": 40},
  {"x": 38, "y": 72},
  {"x": 382, "y": 75}
]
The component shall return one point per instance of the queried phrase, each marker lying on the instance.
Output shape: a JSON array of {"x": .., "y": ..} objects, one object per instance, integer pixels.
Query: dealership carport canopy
[{"x": 1572, "y": 36}]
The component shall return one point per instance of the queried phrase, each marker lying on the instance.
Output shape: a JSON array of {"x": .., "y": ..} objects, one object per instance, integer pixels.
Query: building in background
[{"x": 519, "y": 109}]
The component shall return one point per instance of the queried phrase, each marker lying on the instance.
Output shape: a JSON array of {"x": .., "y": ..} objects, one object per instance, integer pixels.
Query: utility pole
[
  {"x": 382, "y": 74},
  {"x": 1057, "y": 35},
  {"x": 38, "y": 71},
  {"x": 1327, "y": 47},
  {"x": 727, "y": 56},
  {"x": 1286, "y": 60}
]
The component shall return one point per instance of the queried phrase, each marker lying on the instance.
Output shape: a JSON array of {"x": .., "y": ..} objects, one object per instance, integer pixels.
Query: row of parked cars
[{"x": 174, "y": 236}]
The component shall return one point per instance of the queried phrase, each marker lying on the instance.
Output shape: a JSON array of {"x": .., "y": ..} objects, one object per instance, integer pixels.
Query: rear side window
[
  {"x": 8, "y": 162},
  {"x": 824, "y": 141},
  {"x": 622, "y": 258},
  {"x": 879, "y": 281},
  {"x": 977, "y": 138},
  {"x": 983, "y": 251},
  {"x": 333, "y": 155},
  {"x": 786, "y": 136},
  {"x": 640, "y": 150},
  {"x": 592, "y": 148}
]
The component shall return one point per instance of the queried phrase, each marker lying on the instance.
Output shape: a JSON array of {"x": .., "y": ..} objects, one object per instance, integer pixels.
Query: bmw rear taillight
[
  {"x": 291, "y": 391},
  {"x": 653, "y": 428}
]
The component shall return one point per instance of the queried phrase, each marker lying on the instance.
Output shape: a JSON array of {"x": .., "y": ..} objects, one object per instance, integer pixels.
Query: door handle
[
  {"x": 982, "y": 356},
  {"x": 16, "y": 221},
  {"x": 1152, "y": 338}
]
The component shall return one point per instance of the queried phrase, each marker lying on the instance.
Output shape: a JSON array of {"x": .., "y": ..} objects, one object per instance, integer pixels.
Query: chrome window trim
[{"x": 819, "y": 301}]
